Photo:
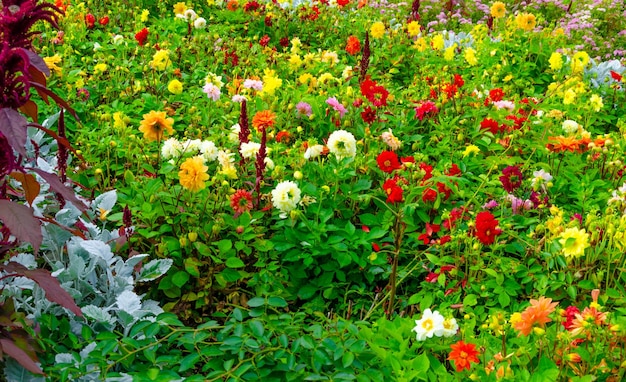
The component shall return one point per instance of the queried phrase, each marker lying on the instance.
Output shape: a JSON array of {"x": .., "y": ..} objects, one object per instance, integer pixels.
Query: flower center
[{"x": 428, "y": 325}]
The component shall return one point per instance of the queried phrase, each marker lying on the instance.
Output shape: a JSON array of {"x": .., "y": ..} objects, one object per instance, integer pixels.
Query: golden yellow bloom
[
  {"x": 579, "y": 61},
  {"x": 471, "y": 149},
  {"x": 470, "y": 56},
  {"x": 569, "y": 97},
  {"x": 51, "y": 63},
  {"x": 175, "y": 87},
  {"x": 377, "y": 30},
  {"x": 596, "y": 102},
  {"x": 192, "y": 174},
  {"x": 154, "y": 124},
  {"x": 413, "y": 28},
  {"x": 498, "y": 9},
  {"x": 420, "y": 44},
  {"x": 574, "y": 241},
  {"x": 161, "y": 60},
  {"x": 271, "y": 82},
  {"x": 448, "y": 54},
  {"x": 556, "y": 61},
  {"x": 180, "y": 8},
  {"x": 100, "y": 68},
  {"x": 438, "y": 43},
  {"x": 526, "y": 21},
  {"x": 144, "y": 15}
]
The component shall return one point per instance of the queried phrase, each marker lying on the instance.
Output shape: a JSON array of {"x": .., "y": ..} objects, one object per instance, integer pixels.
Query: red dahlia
[{"x": 486, "y": 228}]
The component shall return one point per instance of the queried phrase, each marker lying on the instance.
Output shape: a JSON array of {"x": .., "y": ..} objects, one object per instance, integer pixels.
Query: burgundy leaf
[
  {"x": 37, "y": 62},
  {"x": 21, "y": 222},
  {"x": 52, "y": 287},
  {"x": 60, "y": 140},
  {"x": 60, "y": 101},
  {"x": 30, "y": 109},
  {"x": 20, "y": 356},
  {"x": 13, "y": 126},
  {"x": 57, "y": 186}
]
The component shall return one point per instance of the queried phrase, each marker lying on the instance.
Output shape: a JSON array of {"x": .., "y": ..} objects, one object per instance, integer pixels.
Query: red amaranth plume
[
  {"x": 18, "y": 17},
  {"x": 365, "y": 59},
  {"x": 260, "y": 166}
]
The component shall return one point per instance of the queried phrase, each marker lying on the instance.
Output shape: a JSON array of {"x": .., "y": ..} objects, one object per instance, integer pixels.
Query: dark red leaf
[
  {"x": 60, "y": 140},
  {"x": 21, "y": 222},
  {"x": 30, "y": 109},
  {"x": 13, "y": 126},
  {"x": 52, "y": 287},
  {"x": 60, "y": 101},
  {"x": 37, "y": 62},
  {"x": 57, "y": 186},
  {"x": 20, "y": 356}
]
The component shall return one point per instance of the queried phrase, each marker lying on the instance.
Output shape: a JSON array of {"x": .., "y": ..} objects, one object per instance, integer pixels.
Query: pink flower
[{"x": 334, "y": 103}]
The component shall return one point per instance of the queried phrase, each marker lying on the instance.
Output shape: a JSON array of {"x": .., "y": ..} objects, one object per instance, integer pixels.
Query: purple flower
[
  {"x": 332, "y": 101},
  {"x": 303, "y": 108}
]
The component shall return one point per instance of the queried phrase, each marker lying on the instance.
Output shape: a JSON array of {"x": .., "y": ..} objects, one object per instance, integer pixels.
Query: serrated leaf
[
  {"x": 57, "y": 186},
  {"x": 21, "y": 222}
]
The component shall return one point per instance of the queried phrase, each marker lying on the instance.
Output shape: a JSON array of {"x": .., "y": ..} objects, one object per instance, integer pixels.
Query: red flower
[
  {"x": 241, "y": 201},
  {"x": 616, "y": 76},
  {"x": 429, "y": 195},
  {"x": 375, "y": 93},
  {"x": 90, "y": 20},
  {"x": 343, "y": 3},
  {"x": 486, "y": 228},
  {"x": 518, "y": 122},
  {"x": 353, "y": 45},
  {"x": 284, "y": 42},
  {"x": 368, "y": 115},
  {"x": 388, "y": 161},
  {"x": 450, "y": 90},
  {"x": 570, "y": 314},
  {"x": 491, "y": 125},
  {"x": 103, "y": 20},
  {"x": 496, "y": 94},
  {"x": 463, "y": 355},
  {"x": 393, "y": 191},
  {"x": 445, "y": 190},
  {"x": 428, "y": 171},
  {"x": 455, "y": 215},
  {"x": 454, "y": 170},
  {"x": 264, "y": 40},
  {"x": 251, "y": 6},
  {"x": 511, "y": 178},
  {"x": 458, "y": 80},
  {"x": 426, "y": 107},
  {"x": 283, "y": 136},
  {"x": 430, "y": 230},
  {"x": 142, "y": 36}
]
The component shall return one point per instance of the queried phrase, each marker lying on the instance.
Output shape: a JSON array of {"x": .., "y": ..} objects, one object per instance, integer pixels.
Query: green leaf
[
  {"x": 347, "y": 359},
  {"x": 504, "y": 299},
  {"x": 277, "y": 302},
  {"x": 420, "y": 366},
  {"x": 180, "y": 278},
  {"x": 470, "y": 300},
  {"x": 256, "y": 302},
  {"x": 234, "y": 262},
  {"x": 257, "y": 328},
  {"x": 188, "y": 362}
]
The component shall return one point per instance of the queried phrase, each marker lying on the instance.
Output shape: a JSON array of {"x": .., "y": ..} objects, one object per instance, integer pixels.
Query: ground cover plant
[{"x": 313, "y": 190}]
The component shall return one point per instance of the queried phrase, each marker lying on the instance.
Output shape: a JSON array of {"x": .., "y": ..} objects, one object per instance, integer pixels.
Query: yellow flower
[
  {"x": 498, "y": 9},
  {"x": 119, "y": 120},
  {"x": 438, "y": 43},
  {"x": 270, "y": 82},
  {"x": 295, "y": 61},
  {"x": 175, "y": 87},
  {"x": 180, "y": 8},
  {"x": 51, "y": 63},
  {"x": 448, "y": 54},
  {"x": 574, "y": 241},
  {"x": 154, "y": 124},
  {"x": 100, "y": 68},
  {"x": 305, "y": 78},
  {"x": 470, "y": 56},
  {"x": 413, "y": 28},
  {"x": 471, "y": 149},
  {"x": 596, "y": 102},
  {"x": 161, "y": 60},
  {"x": 579, "y": 61},
  {"x": 526, "y": 21},
  {"x": 569, "y": 97},
  {"x": 377, "y": 30},
  {"x": 420, "y": 44},
  {"x": 558, "y": 32},
  {"x": 144, "y": 15},
  {"x": 192, "y": 174},
  {"x": 556, "y": 61}
]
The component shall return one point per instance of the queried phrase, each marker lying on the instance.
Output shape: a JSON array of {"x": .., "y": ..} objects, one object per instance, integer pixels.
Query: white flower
[
  {"x": 190, "y": 15},
  {"x": 208, "y": 150},
  {"x": 249, "y": 149},
  {"x": 171, "y": 148},
  {"x": 342, "y": 144},
  {"x": 286, "y": 197},
  {"x": 192, "y": 145},
  {"x": 269, "y": 163},
  {"x": 430, "y": 324},
  {"x": 118, "y": 39},
  {"x": 313, "y": 152},
  {"x": 253, "y": 84},
  {"x": 540, "y": 178},
  {"x": 226, "y": 158},
  {"x": 569, "y": 126},
  {"x": 234, "y": 133},
  {"x": 347, "y": 72},
  {"x": 212, "y": 91},
  {"x": 239, "y": 98},
  {"x": 450, "y": 327},
  {"x": 214, "y": 79},
  {"x": 200, "y": 23}
]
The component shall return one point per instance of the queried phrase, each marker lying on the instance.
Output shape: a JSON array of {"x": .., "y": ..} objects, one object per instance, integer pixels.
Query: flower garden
[{"x": 313, "y": 190}]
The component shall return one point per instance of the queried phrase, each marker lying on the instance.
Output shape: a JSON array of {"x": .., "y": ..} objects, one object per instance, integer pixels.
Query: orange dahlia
[
  {"x": 154, "y": 124},
  {"x": 264, "y": 119}
]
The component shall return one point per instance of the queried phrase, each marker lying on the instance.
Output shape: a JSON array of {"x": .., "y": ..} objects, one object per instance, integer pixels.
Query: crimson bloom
[
  {"x": 491, "y": 125},
  {"x": 393, "y": 191},
  {"x": 388, "y": 161},
  {"x": 616, "y": 76},
  {"x": 353, "y": 45},
  {"x": 425, "y": 108},
  {"x": 375, "y": 93},
  {"x": 90, "y": 20},
  {"x": 486, "y": 227},
  {"x": 142, "y": 36},
  {"x": 368, "y": 115},
  {"x": 463, "y": 355},
  {"x": 511, "y": 178}
]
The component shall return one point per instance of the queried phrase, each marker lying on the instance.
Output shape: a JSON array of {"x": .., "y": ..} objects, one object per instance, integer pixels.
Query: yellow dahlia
[
  {"x": 192, "y": 174},
  {"x": 154, "y": 124}
]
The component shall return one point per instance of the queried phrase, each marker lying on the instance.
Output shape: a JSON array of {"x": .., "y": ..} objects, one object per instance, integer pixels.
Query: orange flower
[
  {"x": 353, "y": 46},
  {"x": 232, "y": 5},
  {"x": 536, "y": 314},
  {"x": 264, "y": 119},
  {"x": 462, "y": 355},
  {"x": 563, "y": 144},
  {"x": 586, "y": 320},
  {"x": 155, "y": 124}
]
